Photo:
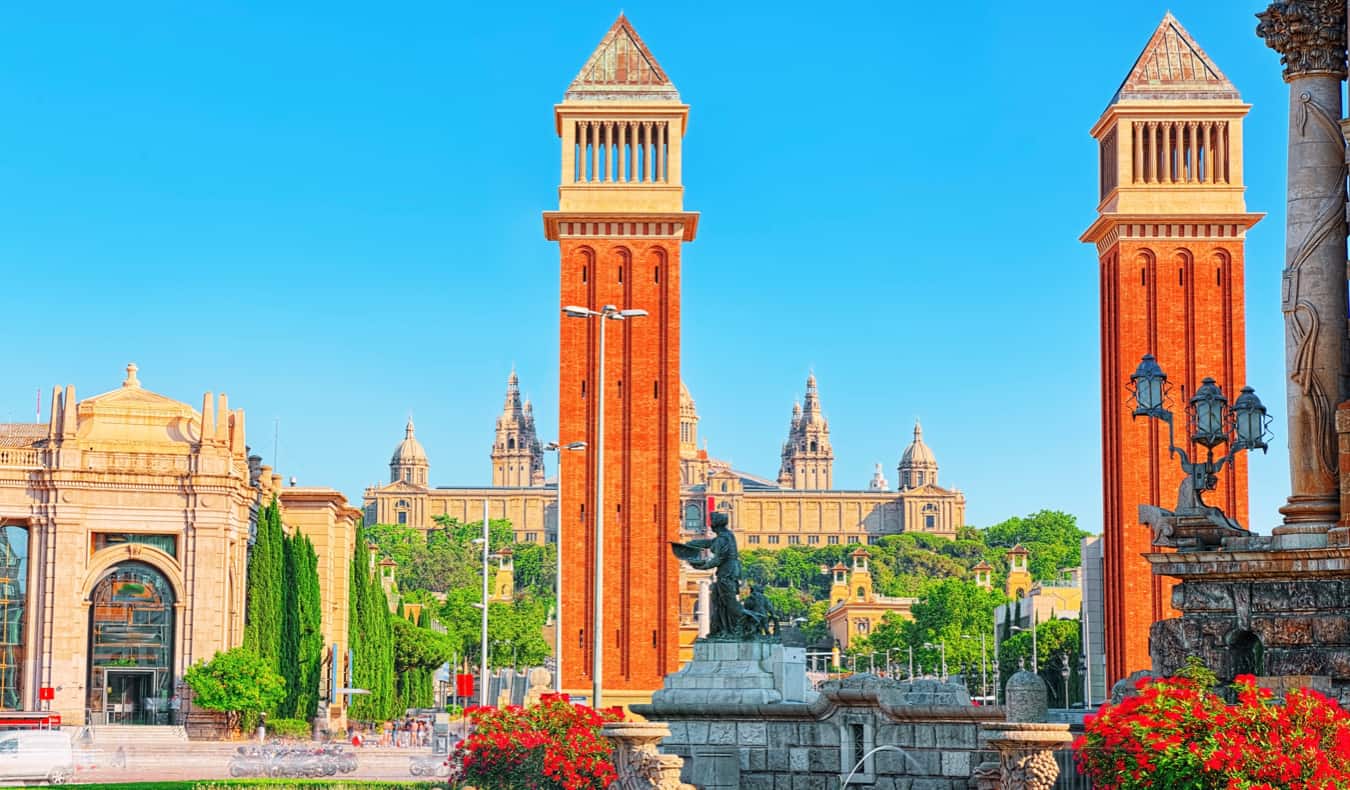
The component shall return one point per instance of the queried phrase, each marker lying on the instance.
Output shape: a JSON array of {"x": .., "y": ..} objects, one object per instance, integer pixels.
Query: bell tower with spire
[
  {"x": 620, "y": 225},
  {"x": 517, "y": 457},
  {"x": 808, "y": 459},
  {"x": 1170, "y": 230}
]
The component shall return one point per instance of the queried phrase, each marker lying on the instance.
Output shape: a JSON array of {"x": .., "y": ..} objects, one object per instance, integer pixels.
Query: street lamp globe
[
  {"x": 1209, "y": 409},
  {"x": 1149, "y": 384}
]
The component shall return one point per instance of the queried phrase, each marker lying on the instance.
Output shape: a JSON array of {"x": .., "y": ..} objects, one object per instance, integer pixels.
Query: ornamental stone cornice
[{"x": 1308, "y": 34}]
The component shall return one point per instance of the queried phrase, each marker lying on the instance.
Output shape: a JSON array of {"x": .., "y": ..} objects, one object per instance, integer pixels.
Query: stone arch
[
  {"x": 1246, "y": 654},
  {"x": 105, "y": 559}
]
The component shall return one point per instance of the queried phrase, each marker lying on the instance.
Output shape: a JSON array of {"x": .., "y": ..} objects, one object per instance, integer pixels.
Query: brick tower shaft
[
  {"x": 1170, "y": 233},
  {"x": 620, "y": 226}
]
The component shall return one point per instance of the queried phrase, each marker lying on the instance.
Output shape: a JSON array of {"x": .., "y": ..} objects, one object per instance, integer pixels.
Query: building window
[
  {"x": 832, "y": 540},
  {"x": 131, "y": 647},
  {"x": 794, "y": 540},
  {"x": 873, "y": 540},
  {"x": 102, "y": 540},
  {"x": 813, "y": 539},
  {"x": 531, "y": 537},
  {"x": 862, "y": 593},
  {"x": 403, "y": 517},
  {"x": 752, "y": 539},
  {"x": 773, "y": 540},
  {"x": 863, "y": 626},
  {"x": 813, "y": 445},
  {"x": 930, "y": 522}
]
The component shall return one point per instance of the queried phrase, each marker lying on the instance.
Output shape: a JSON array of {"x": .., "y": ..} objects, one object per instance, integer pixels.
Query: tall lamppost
[
  {"x": 984, "y": 671},
  {"x": 483, "y": 641},
  {"x": 612, "y": 313},
  {"x": 942, "y": 645},
  {"x": 1035, "y": 667},
  {"x": 555, "y": 447}
]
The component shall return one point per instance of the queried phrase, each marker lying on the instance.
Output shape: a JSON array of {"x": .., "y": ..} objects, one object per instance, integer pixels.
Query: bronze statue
[{"x": 729, "y": 619}]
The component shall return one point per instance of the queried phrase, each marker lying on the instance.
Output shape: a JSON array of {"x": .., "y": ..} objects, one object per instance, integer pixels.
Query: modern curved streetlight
[{"x": 611, "y": 313}]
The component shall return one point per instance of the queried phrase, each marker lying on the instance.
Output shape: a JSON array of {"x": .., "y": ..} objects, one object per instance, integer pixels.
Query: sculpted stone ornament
[
  {"x": 637, "y": 763},
  {"x": 730, "y": 619},
  {"x": 1308, "y": 34}
]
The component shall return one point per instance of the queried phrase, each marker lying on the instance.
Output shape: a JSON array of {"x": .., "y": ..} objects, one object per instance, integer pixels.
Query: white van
[{"x": 36, "y": 755}]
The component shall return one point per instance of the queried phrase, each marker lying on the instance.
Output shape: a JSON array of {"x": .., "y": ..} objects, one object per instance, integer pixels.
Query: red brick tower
[
  {"x": 1169, "y": 236},
  {"x": 620, "y": 223}
]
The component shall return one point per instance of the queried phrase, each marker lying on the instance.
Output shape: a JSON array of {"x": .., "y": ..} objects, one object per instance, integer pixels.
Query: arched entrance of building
[{"x": 131, "y": 633}]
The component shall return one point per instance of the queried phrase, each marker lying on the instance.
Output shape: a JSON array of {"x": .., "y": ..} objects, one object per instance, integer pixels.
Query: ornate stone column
[
  {"x": 1310, "y": 37},
  {"x": 639, "y": 765}
]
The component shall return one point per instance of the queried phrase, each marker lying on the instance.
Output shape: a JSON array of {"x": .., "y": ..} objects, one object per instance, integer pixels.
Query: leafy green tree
[
  {"x": 238, "y": 682},
  {"x": 264, "y": 596},
  {"x": 417, "y": 654},
  {"x": 536, "y": 568},
  {"x": 1052, "y": 537},
  {"x": 373, "y": 648}
]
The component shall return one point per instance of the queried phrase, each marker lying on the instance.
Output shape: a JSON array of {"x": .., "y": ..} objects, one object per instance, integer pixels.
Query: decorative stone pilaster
[
  {"x": 639, "y": 765},
  {"x": 1310, "y": 37},
  {"x": 1026, "y": 753}
]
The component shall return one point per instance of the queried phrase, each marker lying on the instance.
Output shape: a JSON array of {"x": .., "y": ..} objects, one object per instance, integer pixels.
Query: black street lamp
[{"x": 1211, "y": 422}]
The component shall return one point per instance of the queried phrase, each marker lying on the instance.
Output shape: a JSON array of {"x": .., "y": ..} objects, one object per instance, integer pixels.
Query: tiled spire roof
[
  {"x": 1173, "y": 66},
  {"x": 621, "y": 68}
]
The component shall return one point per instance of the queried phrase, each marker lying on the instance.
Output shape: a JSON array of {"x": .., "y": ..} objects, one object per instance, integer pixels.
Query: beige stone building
[
  {"x": 125, "y": 523},
  {"x": 801, "y": 507},
  {"x": 855, "y": 607}
]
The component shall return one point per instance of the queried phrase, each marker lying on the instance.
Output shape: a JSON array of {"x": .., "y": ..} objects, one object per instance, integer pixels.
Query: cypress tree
[
  {"x": 290, "y": 629},
  {"x": 265, "y": 605},
  {"x": 310, "y": 641}
]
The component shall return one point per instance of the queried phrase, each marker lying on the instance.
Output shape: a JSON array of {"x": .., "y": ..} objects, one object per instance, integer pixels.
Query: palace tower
[
  {"x": 517, "y": 456},
  {"x": 808, "y": 459},
  {"x": 1169, "y": 236},
  {"x": 620, "y": 224}
]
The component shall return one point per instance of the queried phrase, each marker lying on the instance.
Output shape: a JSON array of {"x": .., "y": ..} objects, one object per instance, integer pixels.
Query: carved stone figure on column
[{"x": 1310, "y": 37}]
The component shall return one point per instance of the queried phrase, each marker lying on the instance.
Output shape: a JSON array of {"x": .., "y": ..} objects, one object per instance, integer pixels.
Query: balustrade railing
[{"x": 22, "y": 457}]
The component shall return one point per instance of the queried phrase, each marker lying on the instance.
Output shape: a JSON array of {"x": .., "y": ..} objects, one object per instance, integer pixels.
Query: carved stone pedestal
[
  {"x": 639, "y": 765},
  {"x": 1026, "y": 754}
]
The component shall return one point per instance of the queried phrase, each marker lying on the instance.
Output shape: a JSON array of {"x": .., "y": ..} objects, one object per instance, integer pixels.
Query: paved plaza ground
[{"x": 210, "y": 760}]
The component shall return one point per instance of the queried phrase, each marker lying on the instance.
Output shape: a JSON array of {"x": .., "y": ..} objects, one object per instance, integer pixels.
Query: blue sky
[{"x": 331, "y": 212}]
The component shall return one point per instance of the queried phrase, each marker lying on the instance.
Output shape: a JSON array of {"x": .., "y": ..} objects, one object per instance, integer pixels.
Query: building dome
[
  {"x": 409, "y": 451},
  {"x": 918, "y": 453}
]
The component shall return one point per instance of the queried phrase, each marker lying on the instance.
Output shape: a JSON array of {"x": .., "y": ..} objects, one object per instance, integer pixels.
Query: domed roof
[
  {"x": 918, "y": 453},
  {"x": 409, "y": 451}
]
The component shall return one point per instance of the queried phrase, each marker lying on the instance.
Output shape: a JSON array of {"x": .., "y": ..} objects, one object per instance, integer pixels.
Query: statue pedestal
[{"x": 738, "y": 673}]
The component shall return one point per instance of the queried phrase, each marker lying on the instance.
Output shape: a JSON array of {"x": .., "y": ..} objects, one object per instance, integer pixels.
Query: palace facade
[
  {"x": 799, "y": 508},
  {"x": 125, "y": 526}
]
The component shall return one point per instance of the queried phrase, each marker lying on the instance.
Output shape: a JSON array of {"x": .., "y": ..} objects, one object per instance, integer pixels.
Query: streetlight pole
[
  {"x": 608, "y": 312},
  {"x": 911, "y": 662},
  {"x": 483, "y": 677},
  {"x": 555, "y": 447}
]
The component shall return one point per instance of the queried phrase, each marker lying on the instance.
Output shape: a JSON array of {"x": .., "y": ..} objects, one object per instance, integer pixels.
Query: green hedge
[{"x": 289, "y": 728}]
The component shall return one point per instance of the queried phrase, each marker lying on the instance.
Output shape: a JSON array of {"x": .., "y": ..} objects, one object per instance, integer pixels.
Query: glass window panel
[
  {"x": 165, "y": 543},
  {"x": 13, "y": 606}
]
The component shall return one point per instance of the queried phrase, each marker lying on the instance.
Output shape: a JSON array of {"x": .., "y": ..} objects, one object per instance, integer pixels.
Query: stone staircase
[{"x": 154, "y": 737}]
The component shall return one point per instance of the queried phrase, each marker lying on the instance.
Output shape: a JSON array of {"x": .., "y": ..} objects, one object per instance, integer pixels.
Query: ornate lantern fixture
[
  {"x": 1250, "y": 421},
  {"x": 1149, "y": 387},
  {"x": 1208, "y": 415}
]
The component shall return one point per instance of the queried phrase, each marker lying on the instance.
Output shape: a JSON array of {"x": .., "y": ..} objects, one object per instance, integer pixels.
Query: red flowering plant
[
  {"x": 1178, "y": 734},
  {"x": 553, "y": 745}
]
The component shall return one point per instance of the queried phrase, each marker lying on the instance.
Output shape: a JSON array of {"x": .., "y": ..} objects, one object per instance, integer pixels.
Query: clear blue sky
[{"x": 331, "y": 212}]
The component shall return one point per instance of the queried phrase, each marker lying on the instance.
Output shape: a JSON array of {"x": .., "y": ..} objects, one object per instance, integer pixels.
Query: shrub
[
  {"x": 552, "y": 746},
  {"x": 290, "y": 728},
  {"x": 237, "y": 681},
  {"x": 1176, "y": 733}
]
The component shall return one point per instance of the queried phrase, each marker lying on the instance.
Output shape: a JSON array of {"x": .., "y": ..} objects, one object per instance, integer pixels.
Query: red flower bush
[
  {"x": 552, "y": 746},
  {"x": 1178, "y": 735}
]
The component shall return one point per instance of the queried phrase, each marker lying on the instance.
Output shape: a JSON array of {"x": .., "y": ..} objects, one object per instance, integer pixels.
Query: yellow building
[
  {"x": 855, "y": 608},
  {"x": 125, "y": 523},
  {"x": 1018, "y": 582}
]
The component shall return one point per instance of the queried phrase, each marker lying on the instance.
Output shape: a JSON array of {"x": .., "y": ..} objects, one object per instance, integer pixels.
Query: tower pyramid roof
[
  {"x": 1173, "y": 66},
  {"x": 621, "y": 68}
]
